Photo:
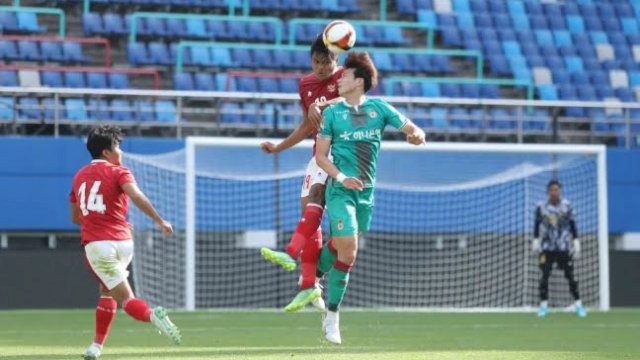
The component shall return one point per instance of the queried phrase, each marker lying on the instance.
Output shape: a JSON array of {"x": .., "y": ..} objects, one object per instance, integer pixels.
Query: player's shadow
[{"x": 204, "y": 354}]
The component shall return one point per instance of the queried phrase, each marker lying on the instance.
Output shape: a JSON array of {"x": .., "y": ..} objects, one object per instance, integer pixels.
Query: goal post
[{"x": 451, "y": 230}]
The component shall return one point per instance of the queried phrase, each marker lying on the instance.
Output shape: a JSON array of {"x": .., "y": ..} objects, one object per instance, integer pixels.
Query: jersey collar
[
  {"x": 96, "y": 161},
  {"x": 355, "y": 107}
]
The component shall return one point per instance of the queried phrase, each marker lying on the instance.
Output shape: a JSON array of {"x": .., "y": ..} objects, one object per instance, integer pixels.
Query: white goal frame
[{"x": 599, "y": 151}]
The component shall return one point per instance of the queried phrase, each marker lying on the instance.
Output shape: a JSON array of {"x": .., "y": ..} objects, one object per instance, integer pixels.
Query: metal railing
[{"x": 264, "y": 113}]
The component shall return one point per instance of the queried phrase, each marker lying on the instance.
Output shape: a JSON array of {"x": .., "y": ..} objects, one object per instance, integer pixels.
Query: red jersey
[
  {"x": 312, "y": 90},
  {"x": 101, "y": 202}
]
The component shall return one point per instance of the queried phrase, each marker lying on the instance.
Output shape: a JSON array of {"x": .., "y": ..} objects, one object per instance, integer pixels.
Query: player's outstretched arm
[
  {"x": 415, "y": 135},
  {"x": 300, "y": 133},
  {"x": 322, "y": 158},
  {"x": 142, "y": 202},
  {"x": 73, "y": 211}
]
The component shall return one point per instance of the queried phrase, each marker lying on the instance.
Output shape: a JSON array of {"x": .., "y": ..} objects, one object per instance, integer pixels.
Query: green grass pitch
[{"x": 57, "y": 334}]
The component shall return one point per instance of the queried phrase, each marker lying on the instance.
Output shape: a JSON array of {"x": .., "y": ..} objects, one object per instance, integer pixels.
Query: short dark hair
[
  {"x": 319, "y": 47},
  {"x": 553, "y": 182},
  {"x": 364, "y": 68},
  {"x": 103, "y": 137}
]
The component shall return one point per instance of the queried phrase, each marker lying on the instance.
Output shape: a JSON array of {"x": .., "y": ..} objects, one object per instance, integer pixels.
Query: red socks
[
  {"x": 137, "y": 309},
  {"x": 308, "y": 224},
  {"x": 309, "y": 260},
  {"x": 105, "y": 313}
]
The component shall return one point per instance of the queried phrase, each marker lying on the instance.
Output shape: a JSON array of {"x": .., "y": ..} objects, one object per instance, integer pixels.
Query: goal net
[{"x": 452, "y": 225}]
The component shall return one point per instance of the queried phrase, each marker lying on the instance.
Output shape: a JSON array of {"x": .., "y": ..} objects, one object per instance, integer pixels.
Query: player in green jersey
[{"x": 353, "y": 130}]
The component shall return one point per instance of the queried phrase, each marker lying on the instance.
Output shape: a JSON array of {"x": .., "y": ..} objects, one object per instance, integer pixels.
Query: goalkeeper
[{"x": 554, "y": 229}]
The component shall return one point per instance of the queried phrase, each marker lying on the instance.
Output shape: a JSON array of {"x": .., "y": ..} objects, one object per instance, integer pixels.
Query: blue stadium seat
[
  {"x": 269, "y": 85},
  {"x": 28, "y": 50},
  {"x": 501, "y": 119},
  {"x": 8, "y": 21},
  {"x": 430, "y": 89},
  {"x": 629, "y": 25},
  {"x": 497, "y": 6},
  {"x": 230, "y": 113},
  {"x": 592, "y": 23},
  {"x": 72, "y": 52},
  {"x": 562, "y": 38},
  {"x": 489, "y": 91},
  {"x": 438, "y": 117},
  {"x": 403, "y": 62},
  {"x": 74, "y": 79},
  {"x": 121, "y": 110},
  {"x": 580, "y": 79},
  {"x": 428, "y": 17},
  {"x": 196, "y": 28},
  {"x": 156, "y": 27},
  {"x": 544, "y": 37},
  {"x": 6, "y": 108},
  {"x": 511, "y": 48},
  {"x": 263, "y": 59},
  {"x": 470, "y": 91},
  {"x": 516, "y": 8},
  {"x": 247, "y": 84},
  {"x": 243, "y": 58},
  {"x": 507, "y": 35},
  {"x": 574, "y": 64},
  {"x": 75, "y": 110},
  {"x": 144, "y": 110},
  {"x": 205, "y": 82},
  {"x": 483, "y": 20},
  {"x": 288, "y": 85},
  {"x": 406, "y": 7},
  {"x": 221, "y": 57},
  {"x": 176, "y": 28},
  {"x": 538, "y": 22},
  {"x": 466, "y": 21},
  {"x": 587, "y": 93},
  {"x": 598, "y": 37},
  {"x": 29, "y": 109},
  {"x": 237, "y": 30},
  {"x": 28, "y": 22},
  {"x": 98, "y": 110},
  {"x": 8, "y": 50},
  {"x": 183, "y": 81},
  {"x": 97, "y": 80},
  {"x": 450, "y": 90},
  {"x": 51, "y": 51},
  {"x": 441, "y": 64},
  {"x": 382, "y": 61},
  {"x": 159, "y": 54},
  {"x": 547, "y": 92},
  {"x": 498, "y": 65},
  {"x": 520, "y": 21},
  {"x": 137, "y": 54},
  {"x": 443, "y": 20},
  {"x": 459, "y": 118},
  {"x": 92, "y": 24},
  {"x": 49, "y": 109},
  {"x": 165, "y": 111},
  {"x": 217, "y": 29},
  {"x": 118, "y": 81},
  {"x": 487, "y": 34},
  {"x": 114, "y": 25},
  {"x": 201, "y": 56},
  {"x": 575, "y": 24},
  {"x": 502, "y": 21},
  {"x": 450, "y": 36},
  {"x": 8, "y": 78},
  {"x": 51, "y": 79}
]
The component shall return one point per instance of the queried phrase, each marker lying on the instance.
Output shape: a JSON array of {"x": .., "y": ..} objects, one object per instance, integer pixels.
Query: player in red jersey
[
  {"x": 99, "y": 204},
  {"x": 317, "y": 90}
]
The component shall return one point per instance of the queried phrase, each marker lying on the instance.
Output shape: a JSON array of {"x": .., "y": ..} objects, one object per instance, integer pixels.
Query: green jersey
[{"x": 356, "y": 133}]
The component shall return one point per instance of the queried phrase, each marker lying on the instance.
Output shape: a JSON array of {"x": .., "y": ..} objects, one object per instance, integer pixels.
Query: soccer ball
[{"x": 339, "y": 36}]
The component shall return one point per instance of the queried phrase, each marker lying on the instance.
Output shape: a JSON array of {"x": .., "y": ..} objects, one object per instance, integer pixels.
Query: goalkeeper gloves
[
  {"x": 575, "y": 249},
  {"x": 535, "y": 246}
]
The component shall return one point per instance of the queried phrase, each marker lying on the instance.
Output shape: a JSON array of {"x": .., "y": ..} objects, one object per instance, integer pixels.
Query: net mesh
[{"x": 449, "y": 229}]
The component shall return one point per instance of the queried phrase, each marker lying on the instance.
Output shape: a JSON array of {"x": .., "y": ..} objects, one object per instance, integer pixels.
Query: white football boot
[
  {"x": 331, "y": 326},
  {"x": 93, "y": 352}
]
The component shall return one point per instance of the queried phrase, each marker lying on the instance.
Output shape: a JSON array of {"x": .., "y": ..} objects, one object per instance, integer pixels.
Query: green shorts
[{"x": 350, "y": 211}]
